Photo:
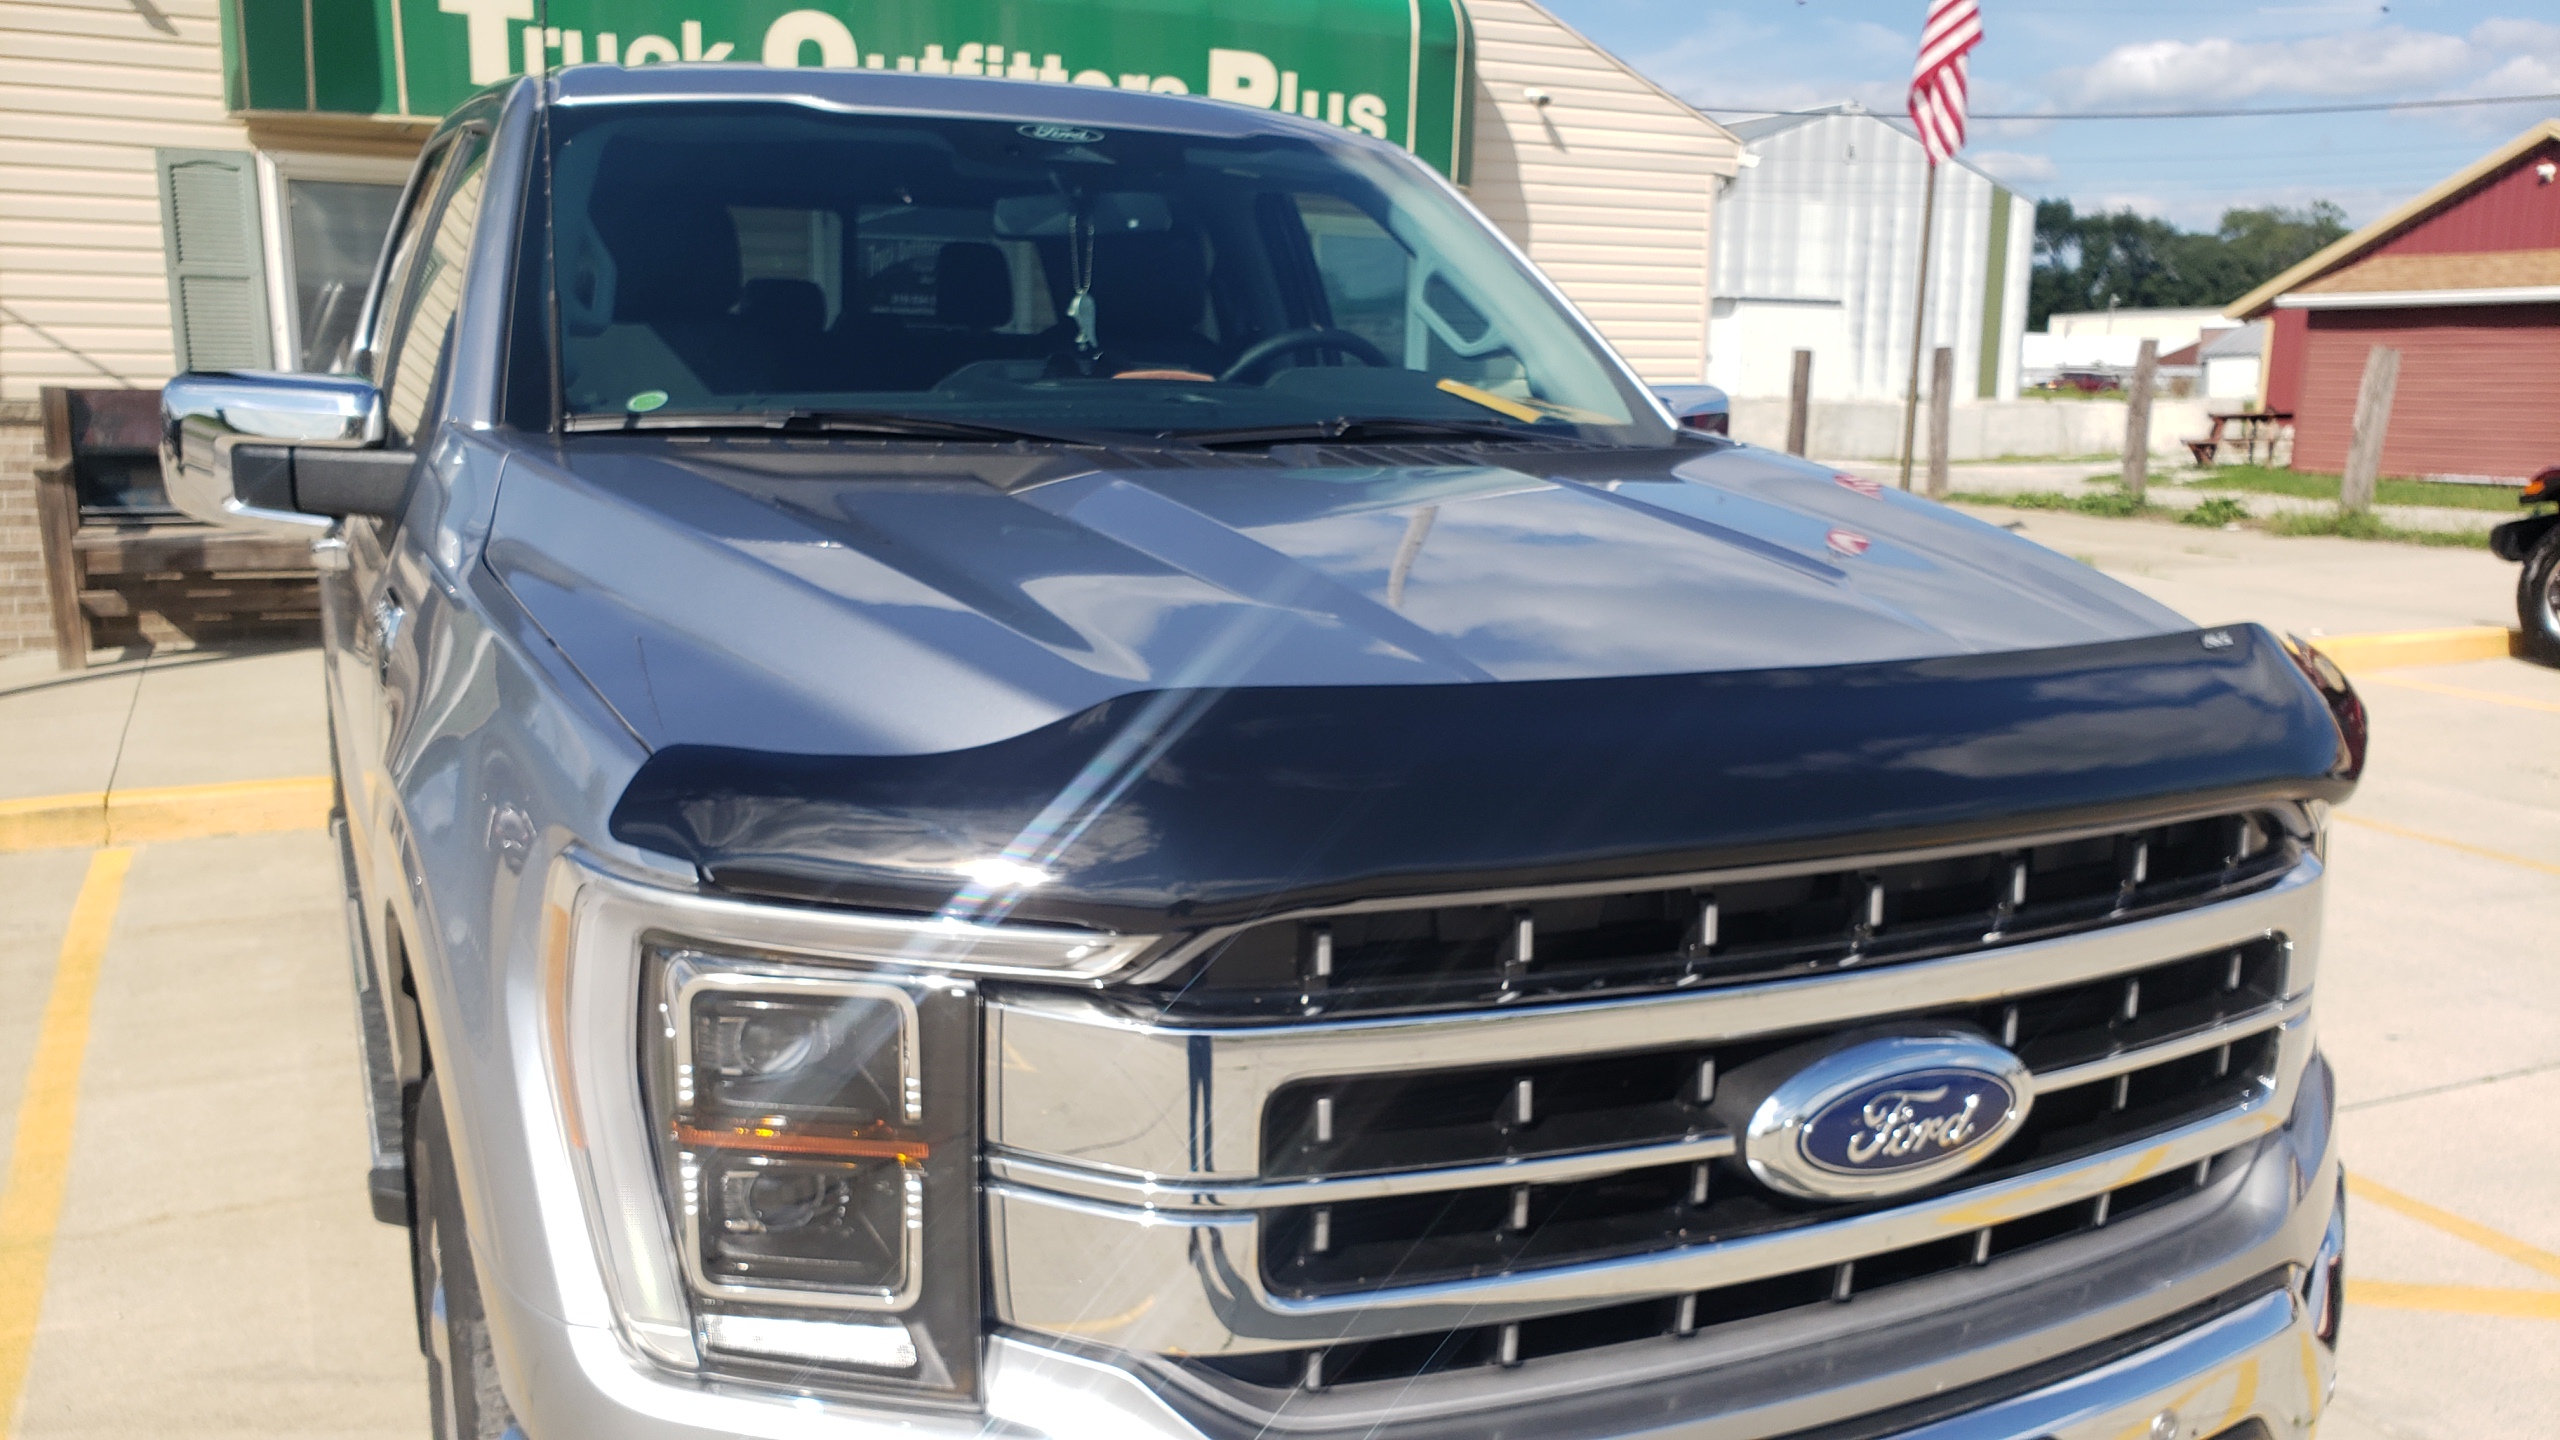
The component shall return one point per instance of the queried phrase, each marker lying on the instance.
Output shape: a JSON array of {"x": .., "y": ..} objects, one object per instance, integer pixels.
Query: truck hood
[{"x": 850, "y": 600}]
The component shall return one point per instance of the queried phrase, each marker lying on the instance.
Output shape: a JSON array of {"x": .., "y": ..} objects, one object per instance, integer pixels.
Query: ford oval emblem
[
  {"x": 1878, "y": 1114},
  {"x": 1061, "y": 134}
]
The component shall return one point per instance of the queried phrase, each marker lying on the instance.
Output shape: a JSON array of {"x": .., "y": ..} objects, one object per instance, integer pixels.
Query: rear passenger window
[
  {"x": 1364, "y": 270},
  {"x": 945, "y": 267},
  {"x": 793, "y": 253}
]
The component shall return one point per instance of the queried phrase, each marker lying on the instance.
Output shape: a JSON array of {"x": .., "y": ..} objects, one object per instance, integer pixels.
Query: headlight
[{"x": 784, "y": 1188}]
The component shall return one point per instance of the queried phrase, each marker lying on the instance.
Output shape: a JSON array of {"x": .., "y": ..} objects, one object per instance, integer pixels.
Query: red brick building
[{"x": 2465, "y": 281}]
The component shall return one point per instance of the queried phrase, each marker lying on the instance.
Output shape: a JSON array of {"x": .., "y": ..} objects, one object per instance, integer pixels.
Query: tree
[{"x": 2086, "y": 262}]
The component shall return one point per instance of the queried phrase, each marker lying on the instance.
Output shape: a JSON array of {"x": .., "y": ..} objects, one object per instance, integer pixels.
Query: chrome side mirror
[{"x": 286, "y": 454}]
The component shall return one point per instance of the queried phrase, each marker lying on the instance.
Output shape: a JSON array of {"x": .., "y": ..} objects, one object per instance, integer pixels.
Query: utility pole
[
  {"x": 1942, "y": 384},
  {"x": 2373, "y": 418},
  {"x": 1919, "y": 320},
  {"x": 1799, "y": 402},
  {"x": 2137, "y": 421}
]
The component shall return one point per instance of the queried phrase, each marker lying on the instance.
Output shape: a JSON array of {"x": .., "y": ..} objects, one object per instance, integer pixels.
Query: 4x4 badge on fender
[{"x": 1877, "y": 1114}]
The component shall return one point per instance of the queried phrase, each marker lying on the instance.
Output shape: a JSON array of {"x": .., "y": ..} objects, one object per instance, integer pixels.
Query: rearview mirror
[
  {"x": 286, "y": 454},
  {"x": 1113, "y": 212}
]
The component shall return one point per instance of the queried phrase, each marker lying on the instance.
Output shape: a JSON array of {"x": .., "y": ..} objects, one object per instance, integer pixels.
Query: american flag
[{"x": 1938, "y": 78}]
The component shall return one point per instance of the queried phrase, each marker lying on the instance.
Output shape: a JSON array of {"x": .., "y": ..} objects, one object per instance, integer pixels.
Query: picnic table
[{"x": 2242, "y": 430}]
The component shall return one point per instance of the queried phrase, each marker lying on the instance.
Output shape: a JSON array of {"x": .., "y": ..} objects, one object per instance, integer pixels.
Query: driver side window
[{"x": 426, "y": 286}]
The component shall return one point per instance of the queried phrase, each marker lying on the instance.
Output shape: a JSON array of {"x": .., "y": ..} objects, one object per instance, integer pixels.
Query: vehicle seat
[
  {"x": 785, "y": 309},
  {"x": 972, "y": 286},
  {"x": 1150, "y": 290},
  {"x": 972, "y": 297},
  {"x": 785, "y": 321},
  {"x": 678, "y": 274}
]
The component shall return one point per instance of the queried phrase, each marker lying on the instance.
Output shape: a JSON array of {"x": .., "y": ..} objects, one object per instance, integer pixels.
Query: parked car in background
[
  {"x": 1034, "y": 760},
  {"x": 2534, "y": 541},
  {"x": 1698, "y": 407}
]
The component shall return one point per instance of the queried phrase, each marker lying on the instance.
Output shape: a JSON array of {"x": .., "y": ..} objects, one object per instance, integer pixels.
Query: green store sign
[{"x": 1397, "y": 69}]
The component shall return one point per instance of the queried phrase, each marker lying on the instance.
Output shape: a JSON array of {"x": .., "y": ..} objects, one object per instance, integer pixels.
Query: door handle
[{"x": 388, "y": 615}]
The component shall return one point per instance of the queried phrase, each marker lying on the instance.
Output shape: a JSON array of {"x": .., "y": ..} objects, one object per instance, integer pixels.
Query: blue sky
[{"x": 2056, "y": 55}]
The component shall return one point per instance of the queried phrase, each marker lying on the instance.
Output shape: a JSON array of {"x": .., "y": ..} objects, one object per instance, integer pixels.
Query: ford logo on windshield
[
  {"x": 1876, "y": 1115},
  {"x": 1062, "y": 134}
]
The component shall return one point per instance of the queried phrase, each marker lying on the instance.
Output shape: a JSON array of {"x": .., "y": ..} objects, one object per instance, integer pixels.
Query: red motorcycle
[{"x": 2535, "y": 541}]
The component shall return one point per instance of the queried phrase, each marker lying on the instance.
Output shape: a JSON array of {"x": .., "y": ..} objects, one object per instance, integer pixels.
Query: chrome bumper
[{"x": 2259, "y": 1363}]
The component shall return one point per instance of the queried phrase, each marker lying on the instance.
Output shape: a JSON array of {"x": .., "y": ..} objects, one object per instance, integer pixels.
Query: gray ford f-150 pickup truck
[{"x": 1031, "y": 761}]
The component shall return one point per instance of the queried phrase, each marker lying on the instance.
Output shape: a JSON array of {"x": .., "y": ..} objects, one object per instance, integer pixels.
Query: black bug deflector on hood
[{"x": 1179, "y": 808}]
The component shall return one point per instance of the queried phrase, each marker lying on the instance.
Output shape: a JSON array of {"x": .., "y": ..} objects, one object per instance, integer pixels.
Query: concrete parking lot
[{"x": 186, "y": 1248}]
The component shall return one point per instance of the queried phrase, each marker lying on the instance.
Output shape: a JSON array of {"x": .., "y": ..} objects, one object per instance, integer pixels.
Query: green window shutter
[{"x": 217, "y": 265}]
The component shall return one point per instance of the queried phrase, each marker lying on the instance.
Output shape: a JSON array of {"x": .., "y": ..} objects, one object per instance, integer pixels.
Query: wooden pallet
[{"x": 124, "y": 580}]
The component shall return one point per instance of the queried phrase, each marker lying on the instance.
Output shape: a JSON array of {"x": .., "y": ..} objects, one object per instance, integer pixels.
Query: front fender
[{"x": 2515, "y": 540}]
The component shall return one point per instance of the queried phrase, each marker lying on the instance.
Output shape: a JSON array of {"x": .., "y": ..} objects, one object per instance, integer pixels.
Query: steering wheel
[{"x": 1310, "y": 337}]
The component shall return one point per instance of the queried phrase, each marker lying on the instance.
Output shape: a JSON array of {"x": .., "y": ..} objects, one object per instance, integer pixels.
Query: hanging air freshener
[{"x": 1081, "y": 309}]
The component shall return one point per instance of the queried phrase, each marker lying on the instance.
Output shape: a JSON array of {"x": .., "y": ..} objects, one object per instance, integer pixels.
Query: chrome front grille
[
  {"x": 1427, "y": 1236},
  {"x": 1404, "y": 1357},
  {"x": 1796, "y": 920},
  {"x": 1481, "y": 1181}
]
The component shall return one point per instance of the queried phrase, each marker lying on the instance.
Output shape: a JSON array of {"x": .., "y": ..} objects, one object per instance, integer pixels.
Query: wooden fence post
[
  {"x": 2137, "y": 421},
  {"x": 1942, "y": 384},
  {"x": 1799, "y": 402},
  {"x": 2373, "y": 418}
]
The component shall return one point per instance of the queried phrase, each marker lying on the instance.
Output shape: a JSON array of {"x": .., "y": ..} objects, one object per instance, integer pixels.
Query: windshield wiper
[
  {"x": 884, "y": 424},
  {"x": 1383, "y": 427}
]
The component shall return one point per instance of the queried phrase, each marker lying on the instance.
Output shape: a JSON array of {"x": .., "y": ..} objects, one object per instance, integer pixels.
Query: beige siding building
[
  {"x": 89, "y": 89},
  {"x": 1608, "y": 181},
  {"x": 128, "y": 181}
]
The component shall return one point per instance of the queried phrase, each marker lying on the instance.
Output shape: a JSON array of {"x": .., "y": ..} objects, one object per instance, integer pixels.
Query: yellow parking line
[
  {"x": 2507, "y": 1246},
  {"x": 2386, "y": 649},
  {"x": 175, "y": 812},
  {"x": 2464, "y": 693},
  {"x": 2483, "y": 851},
  {"x": 2456, "y": 1299},
  {"x": 40, "y": 1154}
]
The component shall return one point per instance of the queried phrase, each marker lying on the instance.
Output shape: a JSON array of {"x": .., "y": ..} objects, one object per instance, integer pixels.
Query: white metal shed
[{"x": 1817, "y": 248}]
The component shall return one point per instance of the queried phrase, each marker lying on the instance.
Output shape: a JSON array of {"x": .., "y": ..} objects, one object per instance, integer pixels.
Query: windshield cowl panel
[{"x": 764, "y": 260}]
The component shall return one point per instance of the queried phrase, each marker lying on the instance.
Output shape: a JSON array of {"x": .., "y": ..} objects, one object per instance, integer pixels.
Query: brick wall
[{"x": 25, "y": 621}]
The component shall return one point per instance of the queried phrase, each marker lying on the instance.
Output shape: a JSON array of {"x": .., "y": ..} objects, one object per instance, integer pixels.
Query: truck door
[{"x": 363, "y": 609}]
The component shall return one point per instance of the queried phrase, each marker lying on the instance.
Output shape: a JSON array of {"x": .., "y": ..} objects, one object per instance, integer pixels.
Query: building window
[
  {"x": 334, "y": 229},
  {"x": 325, "y": 218}
]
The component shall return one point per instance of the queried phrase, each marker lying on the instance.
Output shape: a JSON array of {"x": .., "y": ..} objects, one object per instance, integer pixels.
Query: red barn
[{"x": 2465, "y": 281}]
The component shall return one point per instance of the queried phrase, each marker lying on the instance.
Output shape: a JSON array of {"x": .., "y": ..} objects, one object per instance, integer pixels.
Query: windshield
[{"x": 758, "y": 259}]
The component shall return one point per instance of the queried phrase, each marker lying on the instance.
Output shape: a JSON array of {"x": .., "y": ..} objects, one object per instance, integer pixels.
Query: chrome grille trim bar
[
  {"x": 1542, "y": 1170},
  {"x": 1153, "y": 1193},
  {"x": 1073, "y": 1080},
  {"x": 1192, "y": 1284},
  {"x": 1155, "y": 969},
  {"x": 2177, "y": 1047}
]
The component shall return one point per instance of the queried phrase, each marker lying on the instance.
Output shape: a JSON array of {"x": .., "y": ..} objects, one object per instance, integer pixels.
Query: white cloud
[
  {"x": 1877, "y": 39},
  {"x": 2225, "y": 71},
  {"x": 2501, "y": 56},
  {"x": 2015, "y": 167}
]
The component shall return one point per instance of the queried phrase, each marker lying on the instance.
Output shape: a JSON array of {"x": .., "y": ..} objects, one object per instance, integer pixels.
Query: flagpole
[{"x": 1919, "y": 320}]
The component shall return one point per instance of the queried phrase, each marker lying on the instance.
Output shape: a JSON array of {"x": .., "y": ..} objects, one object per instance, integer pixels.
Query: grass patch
[
  {"x": 2222, "y": 510},
  {"x": 2363, "y": 526},
  {"x": 2266, "y": 480},
  {"x": 2110, "y": 504}
]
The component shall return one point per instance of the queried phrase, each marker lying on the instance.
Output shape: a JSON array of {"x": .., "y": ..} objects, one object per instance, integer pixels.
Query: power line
[{"x": 2182, "y": 114}]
